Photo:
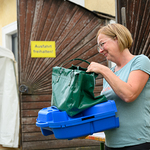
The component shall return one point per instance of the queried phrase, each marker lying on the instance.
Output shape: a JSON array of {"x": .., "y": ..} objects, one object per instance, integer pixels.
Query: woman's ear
[{"x": 115, "y": 38}]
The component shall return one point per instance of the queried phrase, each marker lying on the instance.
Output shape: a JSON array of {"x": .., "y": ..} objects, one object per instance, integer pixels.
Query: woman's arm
[{"x": 126, "y": 91}]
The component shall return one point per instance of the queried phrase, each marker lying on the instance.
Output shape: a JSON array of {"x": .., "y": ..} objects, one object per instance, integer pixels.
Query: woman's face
[{"x": 108, "y": 47}]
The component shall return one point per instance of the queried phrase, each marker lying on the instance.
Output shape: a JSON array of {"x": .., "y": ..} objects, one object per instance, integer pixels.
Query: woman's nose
[{"x": 101, "y": 50}]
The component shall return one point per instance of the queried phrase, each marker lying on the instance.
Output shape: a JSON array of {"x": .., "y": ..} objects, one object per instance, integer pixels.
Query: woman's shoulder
[
  {"x": 142, "y": 56},
  {"x": 141, "y": 59},
  {"x": 141, "y": 62}
]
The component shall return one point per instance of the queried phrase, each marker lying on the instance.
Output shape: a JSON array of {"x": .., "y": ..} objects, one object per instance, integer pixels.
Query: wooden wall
[
  {"x": 134, "y": 14},
  {"x": 74, "y": 29}
]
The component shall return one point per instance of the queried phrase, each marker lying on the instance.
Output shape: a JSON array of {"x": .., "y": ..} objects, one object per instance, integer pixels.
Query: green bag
[{"x": 72, "y": 89}]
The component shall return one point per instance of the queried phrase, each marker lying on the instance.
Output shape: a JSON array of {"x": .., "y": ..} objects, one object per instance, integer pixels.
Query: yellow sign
[{"x": 43, "y": 49}]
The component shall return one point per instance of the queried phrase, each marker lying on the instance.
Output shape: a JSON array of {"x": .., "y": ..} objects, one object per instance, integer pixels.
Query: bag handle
[{"x": 73, "y": 60}]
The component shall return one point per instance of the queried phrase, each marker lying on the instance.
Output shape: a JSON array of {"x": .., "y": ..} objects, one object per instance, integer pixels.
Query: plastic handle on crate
[
  {"x": 87, "y": 118},
  {"x": 73, "y": 60},
  {"x": 54, "y": 107},
  {"x": 42, "y": 124}
]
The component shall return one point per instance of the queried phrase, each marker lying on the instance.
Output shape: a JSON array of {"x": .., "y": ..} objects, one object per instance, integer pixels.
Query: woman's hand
[{"x": 95, "y": 67}]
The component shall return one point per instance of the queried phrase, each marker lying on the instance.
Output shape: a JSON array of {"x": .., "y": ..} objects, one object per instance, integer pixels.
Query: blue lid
[{"x": 53, "y": 118}]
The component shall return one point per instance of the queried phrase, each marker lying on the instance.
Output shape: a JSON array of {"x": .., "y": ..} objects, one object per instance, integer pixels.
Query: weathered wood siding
[
  {"x": 137, "y": 20},
  {"x": 74, "y": 29}
]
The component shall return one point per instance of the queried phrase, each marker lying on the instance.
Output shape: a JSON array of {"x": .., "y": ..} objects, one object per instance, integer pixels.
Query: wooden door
[
  {"x": 74, "y": 30},
  {"x": 135, "y": 15}
]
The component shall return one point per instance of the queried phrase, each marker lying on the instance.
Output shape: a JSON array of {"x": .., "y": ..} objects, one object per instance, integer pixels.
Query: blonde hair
[{"x": 120, "y": 32}]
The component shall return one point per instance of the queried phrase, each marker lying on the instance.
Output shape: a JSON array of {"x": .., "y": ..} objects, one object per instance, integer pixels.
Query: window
[
  {"x": 7, "y": 32},
  {"x": 15, "y": 46},
  {"x": 9, "y": 39}
]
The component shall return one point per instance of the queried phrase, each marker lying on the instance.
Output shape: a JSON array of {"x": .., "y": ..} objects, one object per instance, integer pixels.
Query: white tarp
[{"x": 9, "y": 101}]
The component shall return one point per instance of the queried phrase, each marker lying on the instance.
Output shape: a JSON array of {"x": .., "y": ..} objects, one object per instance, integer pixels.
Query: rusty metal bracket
[{"x": 123, "y": 16}]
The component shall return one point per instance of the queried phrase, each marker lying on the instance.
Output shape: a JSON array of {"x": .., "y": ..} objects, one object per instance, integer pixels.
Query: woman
[{"x": 128, "y": 84}]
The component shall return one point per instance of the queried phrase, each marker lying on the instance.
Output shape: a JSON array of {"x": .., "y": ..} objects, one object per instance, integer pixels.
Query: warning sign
[{"x": 43, "y": 49}]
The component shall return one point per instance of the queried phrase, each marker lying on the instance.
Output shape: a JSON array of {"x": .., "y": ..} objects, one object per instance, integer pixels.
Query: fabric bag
[{"x": 72, "y": 89}]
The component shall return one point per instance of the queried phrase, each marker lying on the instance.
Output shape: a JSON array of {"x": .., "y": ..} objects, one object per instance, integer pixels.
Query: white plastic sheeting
[{"x": 9, "y": 101}]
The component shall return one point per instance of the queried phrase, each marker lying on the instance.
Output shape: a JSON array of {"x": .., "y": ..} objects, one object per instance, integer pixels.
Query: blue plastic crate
[{"x": 97, "y": 118}]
